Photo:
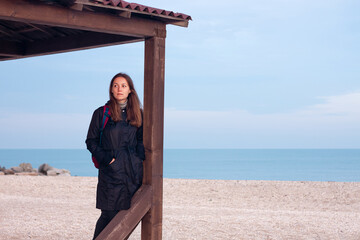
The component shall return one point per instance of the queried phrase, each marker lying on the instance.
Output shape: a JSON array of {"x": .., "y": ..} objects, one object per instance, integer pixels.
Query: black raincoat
[{"x": 117, "y": 182}]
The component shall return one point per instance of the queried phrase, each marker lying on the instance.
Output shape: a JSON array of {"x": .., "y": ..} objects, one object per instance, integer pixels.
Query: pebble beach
[{"x": 43, "y": 207}]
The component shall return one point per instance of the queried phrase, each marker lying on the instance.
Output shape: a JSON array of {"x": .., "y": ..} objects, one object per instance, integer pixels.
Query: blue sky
[{"x": 244, "y": 74}]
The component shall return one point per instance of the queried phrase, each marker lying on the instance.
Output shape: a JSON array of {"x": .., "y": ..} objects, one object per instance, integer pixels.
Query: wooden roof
[
  {"x": 39, "y": 27},
  {"x": 135, "y": 8}
]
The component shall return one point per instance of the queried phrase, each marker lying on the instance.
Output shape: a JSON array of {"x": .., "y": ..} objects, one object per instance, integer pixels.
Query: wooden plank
[
  {"x": 3, "y": 58},
  {"x": 12, "y": 33},
  {"x": 125, "y": 221},
  {"x": 161, "y": 17},
  {"x": 76, "y": 42},
  {"x": 41, "y": 29},
  {"x": 83, "y": 41},
  {"x": 27, "y": 11},
  {"x": 153, "y": 133},
  {"x": 77, "y": 7},
  {"x": 180, "y": 23},
  {"x": 125, "y": 14},
  {"x": 10, "y": 50}
]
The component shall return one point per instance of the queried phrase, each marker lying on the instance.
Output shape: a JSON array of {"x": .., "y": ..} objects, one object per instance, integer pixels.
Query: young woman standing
[{"x": 118, "y": 149}]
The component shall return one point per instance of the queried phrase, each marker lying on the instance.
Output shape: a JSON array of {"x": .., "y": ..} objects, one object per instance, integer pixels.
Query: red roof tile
[{"x": 142, "y": 8}]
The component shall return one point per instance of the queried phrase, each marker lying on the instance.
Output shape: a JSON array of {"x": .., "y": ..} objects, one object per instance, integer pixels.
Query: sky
[{"x": 244, "y": 74}]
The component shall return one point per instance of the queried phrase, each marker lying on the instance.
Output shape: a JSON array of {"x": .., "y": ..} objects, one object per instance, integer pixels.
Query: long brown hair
[{"x": 133, "y": 107}]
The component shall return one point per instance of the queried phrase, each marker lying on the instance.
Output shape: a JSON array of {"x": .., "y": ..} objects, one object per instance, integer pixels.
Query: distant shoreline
[{"x": 339, "y": 165}]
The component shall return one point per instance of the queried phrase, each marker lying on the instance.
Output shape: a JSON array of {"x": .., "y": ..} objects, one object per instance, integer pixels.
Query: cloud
[
  {"x": 29, "y": 130},
  {"x": 334, "y": 123},
  {"x": 347, "y": 105}
]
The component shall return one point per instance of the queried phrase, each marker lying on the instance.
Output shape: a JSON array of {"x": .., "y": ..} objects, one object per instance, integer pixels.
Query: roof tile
[{"x": 142, "y": 8}]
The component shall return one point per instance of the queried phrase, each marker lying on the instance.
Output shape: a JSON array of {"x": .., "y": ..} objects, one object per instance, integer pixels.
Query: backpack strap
[{"x": 105, "y": 119}]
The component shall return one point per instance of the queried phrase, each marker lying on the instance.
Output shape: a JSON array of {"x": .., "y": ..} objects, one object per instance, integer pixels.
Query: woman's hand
[{"x": 113, "y": 160}]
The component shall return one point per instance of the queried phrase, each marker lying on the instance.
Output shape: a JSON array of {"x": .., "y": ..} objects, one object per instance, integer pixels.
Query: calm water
[{"x": 236, "y": 164}]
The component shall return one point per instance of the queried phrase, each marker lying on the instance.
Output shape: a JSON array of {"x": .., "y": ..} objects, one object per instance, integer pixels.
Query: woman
[{"x": 118, "y": 149}]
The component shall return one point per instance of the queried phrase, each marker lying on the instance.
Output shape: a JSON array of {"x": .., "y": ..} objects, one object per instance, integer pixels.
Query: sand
[{"x": 39, "y": 207}]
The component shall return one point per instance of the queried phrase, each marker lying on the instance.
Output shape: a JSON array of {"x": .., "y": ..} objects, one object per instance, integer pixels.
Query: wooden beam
[
  {"x": 3, "y": 58},
  {"x": 83, "y": 41},
  {"x": 75, "y": 42},
  {"x": 125, "y": 14},
  {"x": 41, "y": 29},
  {"x": 180, "y": 23},
  {"x": 153, "y": 134},
  {"x": 13, "y": 34},
  {"x": 160, "y": 17},
  {"x": 44, "y": 14},
  {"x": 77, "y": 7},
  {"x": 125, "y": 221},
  {"x": 11, "y": 50}
]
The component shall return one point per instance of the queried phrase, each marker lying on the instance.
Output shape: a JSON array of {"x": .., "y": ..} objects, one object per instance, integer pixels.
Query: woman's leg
[{"x": 104, "y": 219}]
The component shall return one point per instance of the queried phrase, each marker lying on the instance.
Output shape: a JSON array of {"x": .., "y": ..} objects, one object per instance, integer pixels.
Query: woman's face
[{"x": 120, "y": 89}]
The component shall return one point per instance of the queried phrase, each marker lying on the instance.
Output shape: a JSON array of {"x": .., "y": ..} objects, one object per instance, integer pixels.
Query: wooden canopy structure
[{"x": 39, "y": 27}]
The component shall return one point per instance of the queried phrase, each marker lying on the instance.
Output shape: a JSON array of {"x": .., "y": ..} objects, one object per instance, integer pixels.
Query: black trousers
[{"x": 104, "y": 219}]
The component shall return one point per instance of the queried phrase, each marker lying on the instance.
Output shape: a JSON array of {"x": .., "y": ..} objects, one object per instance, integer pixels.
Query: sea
[{"x": 339, "y": 165}]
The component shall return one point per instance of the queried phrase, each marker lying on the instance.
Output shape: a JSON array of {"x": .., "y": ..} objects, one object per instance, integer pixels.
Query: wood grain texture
[
  {"x": 125, "y": 221},
  {"x": 25, "y": 11},
  {"x": 153, "y": 133}
]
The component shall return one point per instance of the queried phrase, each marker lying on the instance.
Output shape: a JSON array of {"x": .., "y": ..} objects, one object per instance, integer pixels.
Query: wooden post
[
  {"x": 125, "y": 221},
  {"x": 153, "y": 133}
]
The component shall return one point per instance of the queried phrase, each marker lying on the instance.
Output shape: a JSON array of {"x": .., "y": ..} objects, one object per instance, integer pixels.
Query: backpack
[{"x": 106, "y": 116}]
